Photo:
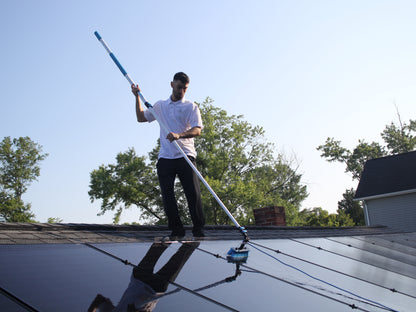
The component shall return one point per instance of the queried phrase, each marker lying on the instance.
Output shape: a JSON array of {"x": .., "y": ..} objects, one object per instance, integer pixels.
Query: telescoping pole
[{"x": 150, "y": 108}]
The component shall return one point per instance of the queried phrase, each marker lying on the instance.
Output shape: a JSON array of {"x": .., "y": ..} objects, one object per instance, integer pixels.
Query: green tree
[
  {"x": 131, "y": 181},
  {"x": 354, "y": 160},
  {"x": 234, "y": 159},
  {"x": 320, "y": 217},
  {"x": 241, "y": 167},
  {"x": 19, "y": 167},
  {"x": 398, "y": 139},
  {"x": 52, "y": 220},
  {"x": 352, "y": 208},
  {"x": 13, "y": 209}
]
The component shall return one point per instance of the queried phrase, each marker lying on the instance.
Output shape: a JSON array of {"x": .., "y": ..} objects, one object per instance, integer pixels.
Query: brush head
[{"x": 237, "y": 255}]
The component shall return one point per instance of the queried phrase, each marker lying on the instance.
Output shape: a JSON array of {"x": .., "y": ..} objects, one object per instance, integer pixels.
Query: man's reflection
[{"x": 146, "y": 285}]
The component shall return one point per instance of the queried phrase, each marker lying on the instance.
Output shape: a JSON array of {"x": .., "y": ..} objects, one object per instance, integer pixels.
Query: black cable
[
  {"x": 17, "y": 300},
  {"x": 252, "y": 270},
  {"x": 126, "y": 262},
  {"x": 347, "y": 257},
  {"x": 290, "y": 283},
  {"x": 360, "y": 298},
  {"x": 335, "y": 271},
  {"x": 384, "y": 239},
  {"x": 226, "y": 280},
  {"x": 362, "y": 249},
  {"x": 203, "y": 297},
  {"x": 178, "y": 289}
]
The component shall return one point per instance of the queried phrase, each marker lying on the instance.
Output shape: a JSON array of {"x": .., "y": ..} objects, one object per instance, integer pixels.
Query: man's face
[{"x": 178, "y": 89}]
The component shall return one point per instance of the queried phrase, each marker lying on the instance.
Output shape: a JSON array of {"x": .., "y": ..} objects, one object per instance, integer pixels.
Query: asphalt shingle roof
[
  {"x": 41, "y": 233},
  {"x": 386, "y": 175}
]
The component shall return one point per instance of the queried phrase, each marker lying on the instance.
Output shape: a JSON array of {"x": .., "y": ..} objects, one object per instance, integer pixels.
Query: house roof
[
  {"x": 70, "y": 267},
  {"x": 79, "y": 233},
  {"x": 388, "y": 176}
]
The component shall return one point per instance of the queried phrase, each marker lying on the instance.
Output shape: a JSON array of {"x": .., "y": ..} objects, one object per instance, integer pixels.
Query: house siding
[{"x": 397, "y": 212}]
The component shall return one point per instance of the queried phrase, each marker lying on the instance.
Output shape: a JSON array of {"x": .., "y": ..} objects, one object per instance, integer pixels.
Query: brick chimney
[{"x": 273, "y": 215}]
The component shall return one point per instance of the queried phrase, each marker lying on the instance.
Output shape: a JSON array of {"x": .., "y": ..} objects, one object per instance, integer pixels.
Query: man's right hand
[
  {"x": 139, "y": 109},
  {"x": 135, "y": 89}
]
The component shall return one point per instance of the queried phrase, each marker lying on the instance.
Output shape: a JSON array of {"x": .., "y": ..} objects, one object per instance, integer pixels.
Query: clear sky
[{"x": 303, "y": 70}]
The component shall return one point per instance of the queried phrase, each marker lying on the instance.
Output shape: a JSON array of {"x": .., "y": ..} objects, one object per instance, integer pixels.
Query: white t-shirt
[
  {"x": 137, "y": 293},
  {"x": 178, "y": 117}
]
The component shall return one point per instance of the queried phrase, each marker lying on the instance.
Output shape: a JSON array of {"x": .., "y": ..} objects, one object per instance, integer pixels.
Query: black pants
[
  {"x": 159, "y": 281},
  {"x": 167, "y": 170}
]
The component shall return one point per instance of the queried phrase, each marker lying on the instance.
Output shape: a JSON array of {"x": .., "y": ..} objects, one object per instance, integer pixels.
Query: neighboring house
[{"x": 388, "y": 190}]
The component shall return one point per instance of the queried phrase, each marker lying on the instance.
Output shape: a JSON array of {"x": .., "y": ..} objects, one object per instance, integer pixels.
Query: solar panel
[
  {"x": 381, "y": 260},
  {"x": 11, "y": 304},
  {"x": 280, "y": 274}
]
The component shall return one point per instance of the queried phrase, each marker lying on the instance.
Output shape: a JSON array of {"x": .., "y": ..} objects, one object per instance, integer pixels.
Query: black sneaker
[
  {"x": 177, "y": 233},
  {"x": 198, "y": 233}
]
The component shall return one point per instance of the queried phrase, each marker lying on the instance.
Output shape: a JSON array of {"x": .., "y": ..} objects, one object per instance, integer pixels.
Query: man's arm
[
  {"x": 139, "y": 108},
  {"x": 191, "y": 133}
]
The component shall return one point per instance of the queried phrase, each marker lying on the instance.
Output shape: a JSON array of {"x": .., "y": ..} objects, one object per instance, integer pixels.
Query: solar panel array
[{"x": 367, "y": 273}]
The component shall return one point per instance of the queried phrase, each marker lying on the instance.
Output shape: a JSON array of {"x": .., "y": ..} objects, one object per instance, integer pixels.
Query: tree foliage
[
  {"x": 320, "y": 217},
  {"x": 52, "y": 220},
  {"x": 19, "y": 167},
  {"x": 352, "y": 208},
  {"x": 236, "y": 161},
  {"x": 13, "y": 209},
  {"x": 240, "y": 166},
  {"x": 354, "y": 160},
  {"x": 131, "y": 181},
  {"x": 398, "y": 139}
]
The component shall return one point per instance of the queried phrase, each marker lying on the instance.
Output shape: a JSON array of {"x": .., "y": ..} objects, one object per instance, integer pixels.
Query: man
[
  {"x": 146, "y": 287},
  {"x": 183, "y": 119}
]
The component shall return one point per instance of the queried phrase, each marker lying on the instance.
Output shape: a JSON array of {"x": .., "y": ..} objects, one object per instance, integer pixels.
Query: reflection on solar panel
[{"x": 367, "y": 273}]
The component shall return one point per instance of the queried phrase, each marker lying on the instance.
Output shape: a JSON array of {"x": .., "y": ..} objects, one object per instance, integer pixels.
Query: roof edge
[{"x": 385, "y": 195}]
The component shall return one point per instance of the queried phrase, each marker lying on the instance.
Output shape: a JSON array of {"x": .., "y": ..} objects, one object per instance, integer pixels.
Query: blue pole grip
[
  {"x": 118, "y": 64},
  {"x": 163, "y": 126},
  {"x": 97, "y": 35}
]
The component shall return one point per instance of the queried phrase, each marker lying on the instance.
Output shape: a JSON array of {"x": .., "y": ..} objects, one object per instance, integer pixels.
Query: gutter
[{"x": 385, "y": 195}]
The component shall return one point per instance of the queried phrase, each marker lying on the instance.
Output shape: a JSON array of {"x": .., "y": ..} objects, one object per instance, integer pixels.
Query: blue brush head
[{"x": 236, "y": 255}]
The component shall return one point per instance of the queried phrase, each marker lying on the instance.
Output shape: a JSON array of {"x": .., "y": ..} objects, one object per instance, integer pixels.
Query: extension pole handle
[
  {"x": 219, "y": 201},
  {"x": 164, "y": 127},
  {"x": 120, "y": 67}
]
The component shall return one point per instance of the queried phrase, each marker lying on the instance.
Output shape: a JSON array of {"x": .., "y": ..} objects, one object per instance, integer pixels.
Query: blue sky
[{"x": 303, "y": 70}]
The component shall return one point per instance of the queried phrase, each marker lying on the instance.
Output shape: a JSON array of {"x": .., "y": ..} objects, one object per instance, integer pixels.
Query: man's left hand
[{"x": 172, "y": 136}]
